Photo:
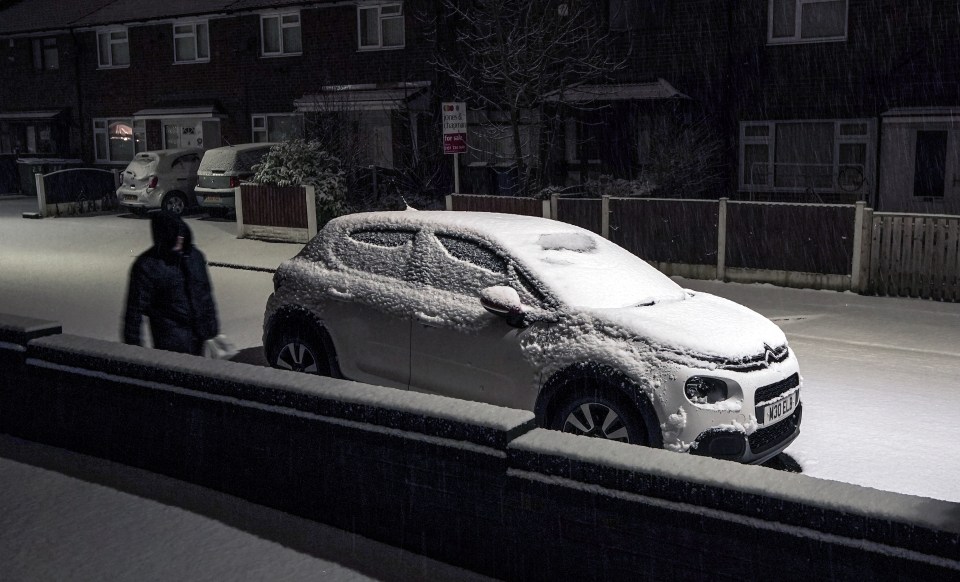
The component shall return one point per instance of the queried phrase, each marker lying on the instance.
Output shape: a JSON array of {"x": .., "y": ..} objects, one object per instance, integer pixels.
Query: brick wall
[{"x": 466, "y": 483}]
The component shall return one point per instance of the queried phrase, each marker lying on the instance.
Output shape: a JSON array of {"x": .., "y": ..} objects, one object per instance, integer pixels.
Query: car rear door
[{"x": 457, "y": 348}]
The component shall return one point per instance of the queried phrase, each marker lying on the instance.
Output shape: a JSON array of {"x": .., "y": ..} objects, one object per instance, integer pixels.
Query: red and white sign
[{"x": 454, "y": 127}]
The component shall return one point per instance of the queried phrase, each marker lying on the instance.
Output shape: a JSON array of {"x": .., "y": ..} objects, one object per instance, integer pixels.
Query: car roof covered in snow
[{"x": 581, "y": 267}]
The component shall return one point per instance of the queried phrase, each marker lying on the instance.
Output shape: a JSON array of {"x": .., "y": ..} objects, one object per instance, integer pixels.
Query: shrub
[{"x": 295, "y": 162}]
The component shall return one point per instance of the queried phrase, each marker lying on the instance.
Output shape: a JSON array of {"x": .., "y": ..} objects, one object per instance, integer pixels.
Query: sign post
[{"x": 455, "y": 136}]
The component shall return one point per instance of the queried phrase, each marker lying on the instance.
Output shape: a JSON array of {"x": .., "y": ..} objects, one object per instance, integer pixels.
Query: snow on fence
[
  {"x": 915, "y": 255},
  {"x": 470, "y": 484},
  {"x": 276, "y": 213},
  {"x": 76, "y": 191}
]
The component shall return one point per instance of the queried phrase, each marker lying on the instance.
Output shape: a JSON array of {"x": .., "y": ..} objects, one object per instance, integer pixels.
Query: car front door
[
  {"x": 458, "y": 348},
  {"x": 364, "y": 310}
]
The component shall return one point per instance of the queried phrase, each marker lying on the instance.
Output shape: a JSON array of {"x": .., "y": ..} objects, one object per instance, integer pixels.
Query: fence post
[
  {"x": 605, "y": 216},
  {"x": 722, "y": 240},
  {"x": 857, "y": 246},
  {"x": 310, "y": 193},
  {"x": 553, "y": 206},
  {"x": 449, "y": 200},
  {"x": 238, "y": 210},
  {"x": 41, "y": 194}
]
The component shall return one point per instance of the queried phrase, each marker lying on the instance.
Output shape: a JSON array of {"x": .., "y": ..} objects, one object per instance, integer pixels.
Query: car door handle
[
  {"x": 427, "y": 320},
  {"x": 339, "y": 294}
]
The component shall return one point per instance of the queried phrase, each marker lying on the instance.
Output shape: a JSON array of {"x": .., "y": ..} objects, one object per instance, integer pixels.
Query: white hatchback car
[
  {"x": 535, "y": 314},
  {"x": 162, "y": 179}
]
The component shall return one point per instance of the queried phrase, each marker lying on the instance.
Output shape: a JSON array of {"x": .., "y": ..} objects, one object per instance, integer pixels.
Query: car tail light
[
  {"x": 234, "y": 181},
  {"x": 153, "y": 182}
]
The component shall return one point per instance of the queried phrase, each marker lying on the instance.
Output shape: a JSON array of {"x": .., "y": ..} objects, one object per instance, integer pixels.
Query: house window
[
  {"x": 796, "y": 21},
  {"x": 117, "y": 140},
  {"x": 280, "y": 34},
  {"x": 380, "y": 26},
  {"x": 191, "y": 42},
  {"x": 281, "y": 127},
  {"x": 113, "y": 48},
  {"x": 45, "y": 54},
  {"x": 806, "y": 156}
]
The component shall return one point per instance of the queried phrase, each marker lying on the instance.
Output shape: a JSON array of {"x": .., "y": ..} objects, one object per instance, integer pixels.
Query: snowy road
[{"x": 880, "y": 374}]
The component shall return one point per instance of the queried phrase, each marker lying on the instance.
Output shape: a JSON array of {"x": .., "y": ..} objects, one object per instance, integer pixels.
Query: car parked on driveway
[
  {"x": 221, "y": 171},
  {"x": 160, "y": 179},
  {"x": 535, "y": 314}
]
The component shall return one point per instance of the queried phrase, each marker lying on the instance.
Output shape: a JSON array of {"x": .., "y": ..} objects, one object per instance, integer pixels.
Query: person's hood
[
  {"x": 703, "y": 326},
  {"x": 165, "y": 226}
]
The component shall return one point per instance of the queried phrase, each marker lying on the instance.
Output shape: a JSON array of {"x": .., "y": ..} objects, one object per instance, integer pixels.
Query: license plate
[
  {"x": 130, "y": 197},
  {"x": 776, "y": 410},
  {"x": 211, "y": 199}
]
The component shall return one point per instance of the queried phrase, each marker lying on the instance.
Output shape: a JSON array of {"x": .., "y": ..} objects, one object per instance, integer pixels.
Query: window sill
[
  {"x": 112, "y": 67},
  {"x": 197, "y": 62},
  {"x": 281, "y": 55},
  {"x": 372, "y": 49},
  {"x": 790, "y": 41}
]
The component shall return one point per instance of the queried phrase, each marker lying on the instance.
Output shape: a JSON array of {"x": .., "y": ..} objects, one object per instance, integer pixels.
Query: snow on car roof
[{"x": 580, "y": 267}]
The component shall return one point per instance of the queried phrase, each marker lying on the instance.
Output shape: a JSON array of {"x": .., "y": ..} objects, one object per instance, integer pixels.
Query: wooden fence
[
  {"x": 822, "y": 246},
  {"x": 279, "y": 213},
  {"x": 915, "y": 255}
]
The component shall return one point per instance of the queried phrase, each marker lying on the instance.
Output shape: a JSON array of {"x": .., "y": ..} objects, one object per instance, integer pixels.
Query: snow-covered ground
[{"x": 880, "y": 374}]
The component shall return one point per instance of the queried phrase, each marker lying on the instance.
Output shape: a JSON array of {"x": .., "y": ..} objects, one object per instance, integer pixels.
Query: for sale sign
[{"x": 454, "y": 128}]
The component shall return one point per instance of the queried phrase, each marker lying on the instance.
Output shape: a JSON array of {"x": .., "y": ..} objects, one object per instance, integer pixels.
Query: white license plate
[
  {"x": 129, "y": 196},
  {"x": 211, "y": 199},
  {"x": 779, "y": 409}
]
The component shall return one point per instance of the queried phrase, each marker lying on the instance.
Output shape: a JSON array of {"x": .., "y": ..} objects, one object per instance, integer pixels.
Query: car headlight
[{"x": 703, "y": 390}]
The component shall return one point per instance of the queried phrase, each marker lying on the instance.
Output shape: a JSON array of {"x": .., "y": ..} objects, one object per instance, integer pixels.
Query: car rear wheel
[
  {"x": 600, "y": 415},
  {"x": 301, "y": 349},
  {"x": 175, "y": 203}
]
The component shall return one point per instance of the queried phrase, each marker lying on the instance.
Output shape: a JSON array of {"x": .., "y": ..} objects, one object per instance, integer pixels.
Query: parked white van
[{"x": 221, "y": 171}]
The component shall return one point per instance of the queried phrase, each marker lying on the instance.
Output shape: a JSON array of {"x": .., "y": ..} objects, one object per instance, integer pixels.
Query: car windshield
[
  {"x": 585, "y": 270},
  {"x": 142, "y": 166}
]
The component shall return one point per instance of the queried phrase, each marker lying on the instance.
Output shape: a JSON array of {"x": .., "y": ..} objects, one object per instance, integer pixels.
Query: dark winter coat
[{"x": 172, "y": 289}]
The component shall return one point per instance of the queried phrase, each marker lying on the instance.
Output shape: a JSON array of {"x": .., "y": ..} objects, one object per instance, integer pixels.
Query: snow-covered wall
[{"x": 470, "y": 484}]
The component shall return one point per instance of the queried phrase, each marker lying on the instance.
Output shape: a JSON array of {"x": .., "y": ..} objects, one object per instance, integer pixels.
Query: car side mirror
[{"x": 504, "y": 302}]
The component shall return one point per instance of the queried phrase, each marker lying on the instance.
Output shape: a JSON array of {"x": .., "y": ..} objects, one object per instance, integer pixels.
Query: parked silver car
[
  {"x": 221, "y": 171},
  {"x": 540, "y": 315},
  {"x": 160, "y": 179}
]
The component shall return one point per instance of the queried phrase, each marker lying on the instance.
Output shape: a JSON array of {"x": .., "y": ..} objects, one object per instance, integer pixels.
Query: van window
[{"x": 231, "y": 160}]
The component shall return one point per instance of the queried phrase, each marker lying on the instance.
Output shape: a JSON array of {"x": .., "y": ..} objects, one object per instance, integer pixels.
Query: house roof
[{"x": 28, "y": 16}]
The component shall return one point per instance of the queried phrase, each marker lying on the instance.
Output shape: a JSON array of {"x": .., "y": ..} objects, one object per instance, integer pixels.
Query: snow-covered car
[
  {"x": 160, "y": 179},
  {"x": 221, "y": 171},
  {"x": 535, "y": 314}
]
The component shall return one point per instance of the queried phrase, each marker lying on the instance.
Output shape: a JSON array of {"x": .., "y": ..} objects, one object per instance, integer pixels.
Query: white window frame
[
  {"x": 868, "y": 138},
  {"x": 41, "y": 50},
  {"x": 381, "y": 19},
  {"x": 797, "y": 37},
  {"x": 264, "y": 125},
  {"x": 101, "y": 127},
  {"x": 193, "y": 24},
  {"x": 108, "y": 32},
  {"x": 281, "y": 25}
]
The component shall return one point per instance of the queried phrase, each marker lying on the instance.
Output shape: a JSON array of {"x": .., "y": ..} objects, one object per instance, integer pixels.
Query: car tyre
[
  {"x": 301, "y": 349},
  {"x": 174, "y": 202},
  {"x": 601, "y": 414}
]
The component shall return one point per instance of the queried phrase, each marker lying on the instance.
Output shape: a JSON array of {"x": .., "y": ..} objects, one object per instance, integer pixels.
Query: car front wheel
[
  {"x": 301, "y": 350},
  {"x": 600, "y": 414}
]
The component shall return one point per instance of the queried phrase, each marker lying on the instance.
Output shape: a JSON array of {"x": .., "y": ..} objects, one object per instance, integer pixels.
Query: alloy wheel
[
  {"x": 297, "y": 357},
  {"x": 597, "y": 420}
]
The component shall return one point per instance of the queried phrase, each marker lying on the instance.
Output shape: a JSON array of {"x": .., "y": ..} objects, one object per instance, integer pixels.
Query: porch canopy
[
  {"x": 29, "y": 115},
  {"x": 653, "y": 90},
  {"x": 921, "y": 115},
  {"x": 336, "y": 98},
  {"x": 207, "y": 111}
]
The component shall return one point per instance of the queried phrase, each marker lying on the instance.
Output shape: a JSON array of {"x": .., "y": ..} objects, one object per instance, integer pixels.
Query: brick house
[{"x": 809, "y": 100}]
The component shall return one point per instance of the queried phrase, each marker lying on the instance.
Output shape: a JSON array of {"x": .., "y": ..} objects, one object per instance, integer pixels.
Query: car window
[
  {"x": 380, "y": 251},
  {"x": 473, "y": 252},
  {"x": 465, "y": 266}
]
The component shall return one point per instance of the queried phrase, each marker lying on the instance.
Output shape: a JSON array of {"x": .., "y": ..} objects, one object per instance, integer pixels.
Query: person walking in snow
[{"x": 170, "y": 284}]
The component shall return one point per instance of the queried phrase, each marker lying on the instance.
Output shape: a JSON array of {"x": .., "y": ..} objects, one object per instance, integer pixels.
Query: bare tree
[{"x": 508, "y": 56}]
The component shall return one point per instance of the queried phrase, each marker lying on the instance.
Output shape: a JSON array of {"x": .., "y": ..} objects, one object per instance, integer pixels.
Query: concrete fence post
[
  {"x": 41, "y": 194},
  {"x": 310, "y": 193},
  {"x": 238, "y": 210},
  {"x": 722, "y": 239},
  {"x": 858, "y": 246},
  {"x": 546, "y": 209},
  {"x": 449, "y": 201},
  {"x": 553, "y": 206},
  {"x": 605, "y": 216}
]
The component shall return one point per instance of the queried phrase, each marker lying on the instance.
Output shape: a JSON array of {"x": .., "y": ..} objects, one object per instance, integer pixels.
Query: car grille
[
  {"x": 757, "y": 362},
  {"x": 766, "y": 438},
  {"x": 773, "y": 391}
]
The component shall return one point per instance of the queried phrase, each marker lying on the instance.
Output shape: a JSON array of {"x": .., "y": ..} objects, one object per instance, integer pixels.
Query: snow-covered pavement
[{"x": 880, "y": 374}]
